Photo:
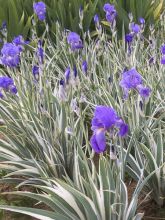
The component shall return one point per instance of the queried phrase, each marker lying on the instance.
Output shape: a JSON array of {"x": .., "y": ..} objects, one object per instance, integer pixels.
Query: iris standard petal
[{"x": 105, "y": 115}]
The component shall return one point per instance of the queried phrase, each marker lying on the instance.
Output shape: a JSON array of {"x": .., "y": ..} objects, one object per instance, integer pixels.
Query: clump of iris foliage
[{"x": 80, "y": 115}]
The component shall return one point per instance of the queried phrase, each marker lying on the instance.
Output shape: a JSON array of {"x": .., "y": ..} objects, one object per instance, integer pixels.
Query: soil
[
  {"x": 146, "y": 205},
  {"x": 12, "y": 200}
]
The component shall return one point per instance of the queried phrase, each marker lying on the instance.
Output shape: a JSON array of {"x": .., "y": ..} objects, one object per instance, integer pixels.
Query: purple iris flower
[
  {"x": 141, "y": 20},
  {"x": 97, "y": 22},
  {"x": 40, "y": 10},
  {"x": 110, "y": 12},
  {"x": 84, "y": 66},
  {"x": 10, "y": 55},
  {"x": 123, "y": 127},
  {"x": 19, "y": 40},
  {"x": 35, "y": 71},
  {"x": 129, "y": 38},
  {"x": 163, "y": 49},
  {"x": 75, "y": 41},
  {"x": 144, "y": 91},
  {"x": 96, "y": 19},
  {"x": 135, "y": 28},
  {"x": 7, "y": 84},
  {"x": 110, "y": 17},
  {"x": 98, "y": 141},
  {"x": 67, "y": 74},
  {"x": 109, "y": 8},
  {"x": 163, "y": 60},
  {"x": 13, "y": 89},
  {"x": 104, "y": 120},
  {"x": 130, "y": 79},
  {"x": 104, "y": 117}
]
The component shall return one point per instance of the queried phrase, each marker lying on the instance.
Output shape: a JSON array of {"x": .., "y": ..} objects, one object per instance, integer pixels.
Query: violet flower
[
  {"x": 7, "y": 84},
  {"x": 40, "y": 10},
  {"x": 110, "y": 12},
  {"x": 74, "y": 41},
  {"x": 129, "y": 38},
  {"x": 105, "y": 120},
  {"x": 163, "y": 49},
  {"x": 131, "y": 79},
  {"x": 135, "y": 28},
  {"x": 10, "y": 55}
]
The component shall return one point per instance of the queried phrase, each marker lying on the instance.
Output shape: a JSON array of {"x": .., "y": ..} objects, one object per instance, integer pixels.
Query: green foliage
[
  {"x": 93, "y": 195},
  {"x": 18, "y": 22},
  {"x": 19, "y": 14},
  {"x": 154, "y": 162},
  {"x": 46, "y": 139}
]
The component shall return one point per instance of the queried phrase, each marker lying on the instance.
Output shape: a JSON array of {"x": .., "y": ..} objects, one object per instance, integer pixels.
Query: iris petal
[
  {"x": 98, "y": 141},
  {"x": 123, "y": 130}
]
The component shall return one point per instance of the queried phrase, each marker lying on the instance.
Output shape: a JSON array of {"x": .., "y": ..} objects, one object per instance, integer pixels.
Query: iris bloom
[
  {"x": 40, "y": 10},
  {"x": 135, "y": 28},
  {"x": 19, "y": 40},
  {"x": 7, "y": 84},
  {"x": 110, "y": 12},
  {"x": 144, "y": 91},
  {"x": 105, "y": 120},
  {"x": 163, "y": 49},
  {"x": 96, "y": 19},
  {"x": 35, "y": 71},
  {"x": 129, "y": 38},
  {"x": 141, "y": 20},
  {"x": 74, "y": 41},
  {"x": 97, "y": 22},
  {"x": 10, "y": 55},
  {"x": 131, "y": 79},
  {"x": 163, "y": 60}
]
